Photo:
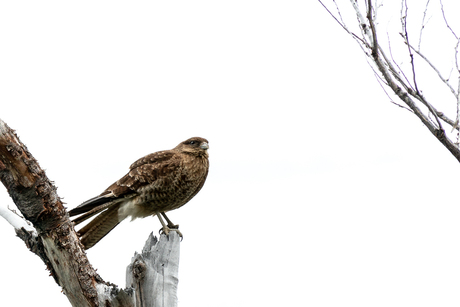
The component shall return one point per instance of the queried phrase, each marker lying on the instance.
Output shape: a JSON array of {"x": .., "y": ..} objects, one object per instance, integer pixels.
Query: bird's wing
[
  {"x": 154, "y": 158},
  {"x": 142, "y": 172},
  {"x": 92, "y": 203}
]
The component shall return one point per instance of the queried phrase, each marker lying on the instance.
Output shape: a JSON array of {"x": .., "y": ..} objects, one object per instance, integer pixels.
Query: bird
[{"x": 155, "y": 184}]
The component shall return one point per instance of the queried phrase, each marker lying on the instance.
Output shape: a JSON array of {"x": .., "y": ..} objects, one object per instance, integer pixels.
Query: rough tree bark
[{"x": 55, "y": 241}]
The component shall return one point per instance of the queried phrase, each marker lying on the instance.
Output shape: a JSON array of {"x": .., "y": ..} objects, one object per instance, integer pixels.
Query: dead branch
[
  {"x": 56, "y": 242},
  {"x": 394, "y": 77},
  {"x": 52, "y": 236}
]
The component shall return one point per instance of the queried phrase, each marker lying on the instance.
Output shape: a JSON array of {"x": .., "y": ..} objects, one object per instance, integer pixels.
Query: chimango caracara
[{"x": 157, "y": 183}]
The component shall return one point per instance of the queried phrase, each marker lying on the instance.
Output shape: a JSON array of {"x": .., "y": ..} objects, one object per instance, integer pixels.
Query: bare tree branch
[
  {"x": 394, "y": 76},
  {"x": 57, "y": 243},
  {"x": 16, "y": 220}
]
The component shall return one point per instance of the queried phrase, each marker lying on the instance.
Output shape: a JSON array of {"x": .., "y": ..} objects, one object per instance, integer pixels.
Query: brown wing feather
[
  {"x": 154, "y": 158},
  {"x": 143, "y": 172},
  {"x": 91, "y": 204}
]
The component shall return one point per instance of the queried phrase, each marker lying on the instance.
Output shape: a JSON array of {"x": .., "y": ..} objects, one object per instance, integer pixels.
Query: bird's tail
[{"x": 100, "y": 226}]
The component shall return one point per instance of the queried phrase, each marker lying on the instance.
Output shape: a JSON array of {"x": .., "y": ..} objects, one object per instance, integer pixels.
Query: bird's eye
[{"x": 192, "y": 142}]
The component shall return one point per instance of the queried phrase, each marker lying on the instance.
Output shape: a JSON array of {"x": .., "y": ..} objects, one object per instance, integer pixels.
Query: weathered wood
[
  {"x": 111, "y": 296},
  {"x": 154, "y": 273},
  {"x": 56, "y": 244},
  {"x": 55, "y": 241}
]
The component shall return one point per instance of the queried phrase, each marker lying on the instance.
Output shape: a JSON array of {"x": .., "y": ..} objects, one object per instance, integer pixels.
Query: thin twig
[
  {"x": 395, "y": 72},
  {"x": 458, "y": 92},
  {"x": 338, "y": 12},
  {"x": 333, "y": 16},
  {"x": 444, "y": 80},
  {"x": 356, "y": 37},
  {"x": 457, "y": 120},
  {"x": 445, "y": 20},
  {"x": 423, "y": 24},
  {"x": 406, "y": 39}
]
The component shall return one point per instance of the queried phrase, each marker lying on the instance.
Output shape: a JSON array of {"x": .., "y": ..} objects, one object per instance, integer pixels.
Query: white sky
[{"x": 320, "y": 193}]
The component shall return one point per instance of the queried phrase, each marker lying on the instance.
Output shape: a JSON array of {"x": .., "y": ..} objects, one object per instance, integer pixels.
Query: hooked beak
[{"x": 204, "y": 145}]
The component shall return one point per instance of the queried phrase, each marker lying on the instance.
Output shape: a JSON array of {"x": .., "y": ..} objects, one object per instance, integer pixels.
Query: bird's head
[{"x": 195, "y": 145}]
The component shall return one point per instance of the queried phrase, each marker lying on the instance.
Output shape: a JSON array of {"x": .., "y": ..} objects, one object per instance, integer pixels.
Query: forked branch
[{"x": 394, "y": 77}]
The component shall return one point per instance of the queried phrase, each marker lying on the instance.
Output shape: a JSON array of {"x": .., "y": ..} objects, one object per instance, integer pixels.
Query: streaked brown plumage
[{"x": 157, "y": 183}]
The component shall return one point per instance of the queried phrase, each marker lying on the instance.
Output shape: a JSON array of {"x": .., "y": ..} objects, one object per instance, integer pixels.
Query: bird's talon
[
  {"x": 164, "y": 230},
  {"x": 167, "y": 230},
  {"x": 179, "y": 233}
]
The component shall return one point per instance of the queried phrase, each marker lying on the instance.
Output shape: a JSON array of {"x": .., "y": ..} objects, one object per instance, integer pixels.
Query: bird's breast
[{"x": 170, "y": 191}]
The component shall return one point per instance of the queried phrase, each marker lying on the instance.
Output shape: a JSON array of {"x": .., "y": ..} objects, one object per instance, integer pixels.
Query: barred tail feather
[{"x": 100, "y": 226}]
